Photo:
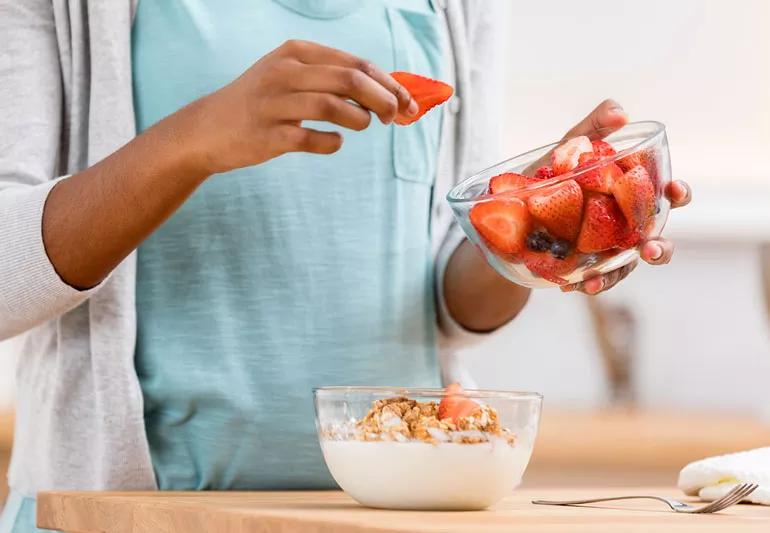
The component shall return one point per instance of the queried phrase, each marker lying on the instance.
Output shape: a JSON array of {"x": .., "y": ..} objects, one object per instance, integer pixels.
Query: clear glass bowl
[
  {"x": 590, "y": 244},
  {"x": 415, "y": 474}
]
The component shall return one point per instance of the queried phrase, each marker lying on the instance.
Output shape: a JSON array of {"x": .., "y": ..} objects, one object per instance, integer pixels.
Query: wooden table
[{"x": 327, "y": 512}]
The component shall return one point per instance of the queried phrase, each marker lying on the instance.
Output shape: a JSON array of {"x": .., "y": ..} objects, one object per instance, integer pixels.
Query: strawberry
[
  {"x": 599, "y": 179},
  {"x": 509, "y": 181},
  {"x": 503, "y": 224},
  {"x": 603, "y": 149},
  {"x": 635, "y": 195},
  {"x": 428, "y": 93},
  {"x": 647, "y": 158},
  {"x": 559, "y": 208},
  {"x": 565, "y": 157},
  {"x": 455, "y": 405},
  {"x": 543, "y": 173},
  {"x": 629, "y": 238},
  {"x": 548, "y": 267},
  {"x": 603, "y": 224}
]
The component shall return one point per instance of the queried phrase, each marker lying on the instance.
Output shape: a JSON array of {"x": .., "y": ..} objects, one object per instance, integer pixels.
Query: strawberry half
[
  {"x": 549, "y": 267},
  {"x": 647, "y": 158},
  {"x": 455, "y": 405},
  {"x": 427, "y": 92},
  {"x": 559, "y": 208},
  {"x": 603, "y": 224},
  {"x": 565, "y": 157},
  {"x": 545, "y": 172},
  {"x": 503, "y": 224},
  {"x": 600, "y": 179},
  {"x": 509, "y": 181},
  {"x": 603, "y": 149},
  {"x": 635, "y": 195}
]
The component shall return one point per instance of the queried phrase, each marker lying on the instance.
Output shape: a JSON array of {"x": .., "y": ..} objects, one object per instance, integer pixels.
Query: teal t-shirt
[{"x": 301, "y": 272}]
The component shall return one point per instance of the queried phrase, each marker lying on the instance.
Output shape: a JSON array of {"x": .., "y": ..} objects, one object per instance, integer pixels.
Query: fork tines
[{"x": 738, "y": 493}]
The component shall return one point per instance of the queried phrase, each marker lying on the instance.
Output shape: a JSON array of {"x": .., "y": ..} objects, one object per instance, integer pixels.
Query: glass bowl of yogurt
[{"x": 426, "y": 449}]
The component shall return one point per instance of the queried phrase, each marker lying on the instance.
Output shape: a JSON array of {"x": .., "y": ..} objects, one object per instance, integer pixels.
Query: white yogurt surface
[{"x": 419, "y": 475}]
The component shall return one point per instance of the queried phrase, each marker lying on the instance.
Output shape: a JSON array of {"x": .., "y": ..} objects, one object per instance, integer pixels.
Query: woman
[{"x": 173, "y": 338}]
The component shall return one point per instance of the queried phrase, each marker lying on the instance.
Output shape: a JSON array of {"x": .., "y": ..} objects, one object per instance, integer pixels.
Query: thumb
[{"x": 609, "y": 114}]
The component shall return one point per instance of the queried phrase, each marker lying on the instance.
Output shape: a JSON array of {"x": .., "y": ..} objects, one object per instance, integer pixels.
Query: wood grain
[{"x": 332, "y": 511}]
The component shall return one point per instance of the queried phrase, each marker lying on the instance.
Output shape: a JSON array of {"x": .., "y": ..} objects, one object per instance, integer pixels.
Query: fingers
[
  {"x": 608, "y": 114},
  {"x": 322, "y": 106},
  {"x": 296, "y": 139},
  {"x": 597, "y": 284},
  {"x": 679, "y": 193},
  {"x": 348, "y": 83},
  {"x": 657, "y": 252},
  {"x": 316, "y": 54}
]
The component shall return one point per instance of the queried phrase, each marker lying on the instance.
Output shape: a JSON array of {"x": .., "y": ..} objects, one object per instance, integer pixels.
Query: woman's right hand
[{"x": 259, "y": 115}]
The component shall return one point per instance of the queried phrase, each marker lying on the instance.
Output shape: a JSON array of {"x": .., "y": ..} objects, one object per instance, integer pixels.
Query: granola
[{"x": 401, "y": 419}]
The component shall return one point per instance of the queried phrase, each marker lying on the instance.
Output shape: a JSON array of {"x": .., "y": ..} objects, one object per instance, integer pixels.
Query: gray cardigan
[{"x": 66, "y": 103}]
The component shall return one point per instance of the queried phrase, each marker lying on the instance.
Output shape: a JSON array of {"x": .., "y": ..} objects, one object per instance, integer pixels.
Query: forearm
[
  {"x": 477, "y": 297},
  {"x": 95, "y": 218}
]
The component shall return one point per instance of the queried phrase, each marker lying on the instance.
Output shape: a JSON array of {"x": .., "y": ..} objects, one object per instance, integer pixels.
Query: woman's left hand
[{"x": 609, "y": 114}]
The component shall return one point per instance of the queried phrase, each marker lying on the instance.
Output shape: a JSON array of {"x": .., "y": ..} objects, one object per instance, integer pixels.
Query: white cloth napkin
[{"x": 711, "y": 478}]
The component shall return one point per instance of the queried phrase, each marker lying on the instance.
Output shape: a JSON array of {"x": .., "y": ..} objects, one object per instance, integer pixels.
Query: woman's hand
[
  {"x": 95, "y": 218},
  {"x": 609, "y": 114},
  {"x": 259, "y": 115}
]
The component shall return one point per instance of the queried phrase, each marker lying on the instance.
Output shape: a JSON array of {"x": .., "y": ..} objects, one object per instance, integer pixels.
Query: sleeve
[
  {"x": 31, "y": 292},
  {"x": 482, "y": 50}
]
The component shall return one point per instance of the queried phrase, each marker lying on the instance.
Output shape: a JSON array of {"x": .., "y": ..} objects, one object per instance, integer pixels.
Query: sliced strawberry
[
  {"x": 545, "y": 172},
  {"x": 503, "y": 224},
  {"x": 629, "y": 238},
  {"x": 599, "y": 179},
  {"x": 559, "y": 208},
  {"x": 647, "y": 158},
  {"x": 455, "y": 405},
  {"x": 549, "y": 267},
  {"x": 603, "y": 149},
  {"x": 509, "y": 181},
  {"x": 603, "y": 224},
  {"x": 427, "y": 92},
  {"x": 635, "y": 195},
  {"x": 565, "y": 157}
]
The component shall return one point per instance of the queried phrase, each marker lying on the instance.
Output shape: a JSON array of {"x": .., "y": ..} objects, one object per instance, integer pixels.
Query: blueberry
[
  {"x": 560, "y": 249},
  {"x": 539, "y": 241}
]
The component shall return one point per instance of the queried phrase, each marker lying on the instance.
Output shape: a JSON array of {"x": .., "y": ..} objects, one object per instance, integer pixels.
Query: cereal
[{"x": 402, "y": 420}]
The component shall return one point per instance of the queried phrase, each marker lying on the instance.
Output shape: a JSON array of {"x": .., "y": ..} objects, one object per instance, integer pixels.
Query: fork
[{"x": 738, "y": 493}]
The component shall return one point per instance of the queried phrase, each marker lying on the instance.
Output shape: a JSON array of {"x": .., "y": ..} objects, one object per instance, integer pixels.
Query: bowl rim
[
  {"x": 659, "y": 129},
  {"x": 423, "y": 392}
]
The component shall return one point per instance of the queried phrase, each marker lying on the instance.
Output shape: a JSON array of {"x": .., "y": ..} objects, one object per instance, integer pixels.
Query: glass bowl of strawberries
[{"x": 570, "y": 210}]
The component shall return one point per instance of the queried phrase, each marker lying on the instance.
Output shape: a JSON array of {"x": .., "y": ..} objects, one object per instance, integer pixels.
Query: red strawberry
[
  {"x": 629, "y": 238},
  {"x": 509, "y": 181},
  {"x": 646, "y": 158},
  {"x": 603, "y": 224},
  {"x": 428, "y": 93},
  {"x": 565, "y": 157},
  {"x": 635, "y": 195},
  {"x": 455, "y": 405},
  {"x": 599, "y": 179},
  {"x": 543, "y": 173},
  {"x": 503, "y": 224},
  {"x": 603, "y": 149},
  {"x": 559, "y": 208},
  {"x": 549, "y": 267}
]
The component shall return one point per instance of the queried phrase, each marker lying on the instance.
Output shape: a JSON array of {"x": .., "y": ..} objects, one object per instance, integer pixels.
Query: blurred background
[{"x": 673, "y": 364}]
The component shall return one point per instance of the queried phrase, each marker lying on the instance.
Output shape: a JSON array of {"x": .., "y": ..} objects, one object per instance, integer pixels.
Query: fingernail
[
  {"x": 616, "y": 107},
  {"x": 657, "y": 252},
  {"x": 413, "y": 107}
]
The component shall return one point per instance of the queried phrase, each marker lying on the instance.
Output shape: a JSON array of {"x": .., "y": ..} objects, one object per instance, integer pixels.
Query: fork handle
[{"x": 597, "y": 500}]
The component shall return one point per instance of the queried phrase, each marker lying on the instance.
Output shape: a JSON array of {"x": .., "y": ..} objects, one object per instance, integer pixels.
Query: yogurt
[{"x": 427, "y": 476}]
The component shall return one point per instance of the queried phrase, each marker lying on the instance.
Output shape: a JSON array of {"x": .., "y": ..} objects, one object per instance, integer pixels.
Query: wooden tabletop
[{"x": 326, "y": 512}]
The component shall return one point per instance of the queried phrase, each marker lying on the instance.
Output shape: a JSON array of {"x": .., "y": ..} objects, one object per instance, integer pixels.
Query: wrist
[{"x": 190, "y": 149}]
